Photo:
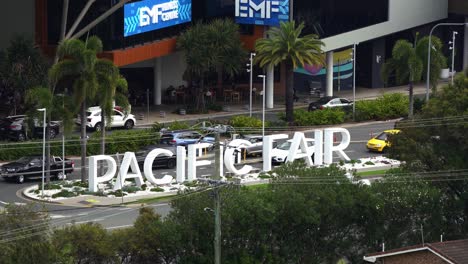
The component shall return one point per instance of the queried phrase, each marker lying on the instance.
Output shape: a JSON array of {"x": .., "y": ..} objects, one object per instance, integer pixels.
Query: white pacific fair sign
[{"x": 322, "y": 152}]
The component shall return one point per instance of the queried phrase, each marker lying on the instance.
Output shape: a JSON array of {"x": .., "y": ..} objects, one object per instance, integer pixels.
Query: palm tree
[
  {"x": 57, "y": 107},
  {"x": 112, "y": 88},
  {"x": 210, "y": 47},
  {"x": 285, "y": 44},
  {"x": 408, "y": 63},
  {"x": 78, "y": 62}
]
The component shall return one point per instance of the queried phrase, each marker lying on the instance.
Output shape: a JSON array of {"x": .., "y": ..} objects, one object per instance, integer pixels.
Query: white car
[
  {"x": 330, "y": 102},
  {"x": 280, "y": 153},
  {"x": 118, "y": 119}
]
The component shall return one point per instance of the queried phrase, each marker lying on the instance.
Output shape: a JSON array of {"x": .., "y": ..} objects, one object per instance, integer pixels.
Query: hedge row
[
  {"x": 384, "y": 107},
  {"x": 118, "y": 141},
  {"x": 328, "y": 116}
]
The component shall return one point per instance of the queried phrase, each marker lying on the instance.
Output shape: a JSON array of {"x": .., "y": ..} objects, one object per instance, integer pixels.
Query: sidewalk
[{"x": 166, "y": 113}]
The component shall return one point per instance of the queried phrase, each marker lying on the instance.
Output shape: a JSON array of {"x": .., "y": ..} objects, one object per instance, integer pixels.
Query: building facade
[{"x": 150, "y": 62}]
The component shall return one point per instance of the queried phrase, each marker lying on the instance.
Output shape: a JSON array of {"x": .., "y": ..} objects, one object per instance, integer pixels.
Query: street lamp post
[
  {"x": 429, "y": 52},
  {"x": 452, "y": 47},
  {"x": 250, "y": 70},
  {"x": 263, "y": 108},
  {"x": 354, "y": 79},
  {"x": 43, "y": 146}
]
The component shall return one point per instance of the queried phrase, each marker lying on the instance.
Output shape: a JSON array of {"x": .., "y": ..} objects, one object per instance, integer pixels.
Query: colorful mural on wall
[{"x": 314, "y": 76}]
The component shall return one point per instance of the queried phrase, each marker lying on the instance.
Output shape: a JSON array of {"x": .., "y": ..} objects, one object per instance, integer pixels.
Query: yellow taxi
[{"x": 380, "y": 142}]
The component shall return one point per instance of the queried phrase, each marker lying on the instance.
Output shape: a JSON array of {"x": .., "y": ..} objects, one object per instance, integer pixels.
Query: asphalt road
[{"x": 116, "y": 217}]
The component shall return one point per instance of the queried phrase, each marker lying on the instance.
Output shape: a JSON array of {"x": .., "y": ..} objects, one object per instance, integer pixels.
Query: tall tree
[
  {"x": 207, "y": 47},
  {"x": 408, "y": 63},
  {"x": 57, "y": 108},
  {"x": 285, "y": 44},
  {"x": 78, "y": 63},
  {"x": 22, "y": 68},
  {"x": 112, "y": 89}
]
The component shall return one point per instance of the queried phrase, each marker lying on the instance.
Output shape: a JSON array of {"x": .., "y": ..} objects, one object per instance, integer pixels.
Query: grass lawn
[{"x": 371, "y": 173}]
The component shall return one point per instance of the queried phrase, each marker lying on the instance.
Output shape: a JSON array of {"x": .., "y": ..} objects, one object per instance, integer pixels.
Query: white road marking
[
  {"x": 2, "y": 202},
  {"x": 115, "y": 227},
  {"x": 159, "y": 205},
  {"x": 58, "y": 216}
]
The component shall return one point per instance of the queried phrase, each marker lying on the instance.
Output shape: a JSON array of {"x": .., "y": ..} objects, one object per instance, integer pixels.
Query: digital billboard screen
[
  {"x": 149, "y": 15},
  {"x": 262, "y": 12}
]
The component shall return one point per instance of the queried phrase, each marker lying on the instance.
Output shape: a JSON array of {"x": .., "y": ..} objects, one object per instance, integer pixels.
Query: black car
[
  {"x": 16, "y": 128},
  {"x": 161, "y": 161},
  {"x": 330, "y": 102},
  {"x": 30, "y": 167}
]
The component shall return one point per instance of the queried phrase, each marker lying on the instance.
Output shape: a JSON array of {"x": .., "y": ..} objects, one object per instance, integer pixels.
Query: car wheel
[
  {"x": 21, "y": 137},
  {"x": 20, "y": 179},
  {"x": 129, "y": 124},
  {"x": 61, "y": 176},
  {"x": 171, "y": 164},
  {"x": 385, "y": 150},
  {"x": 98, "y": 127},
  {"x": 52, "y": 133}
]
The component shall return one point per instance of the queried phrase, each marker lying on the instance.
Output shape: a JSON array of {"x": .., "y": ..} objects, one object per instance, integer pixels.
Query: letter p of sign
[{"x": 93, "y": 171}]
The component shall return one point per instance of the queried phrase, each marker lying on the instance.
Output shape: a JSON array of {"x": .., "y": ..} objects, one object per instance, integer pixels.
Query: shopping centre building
[{"x": 141, "y": 36}]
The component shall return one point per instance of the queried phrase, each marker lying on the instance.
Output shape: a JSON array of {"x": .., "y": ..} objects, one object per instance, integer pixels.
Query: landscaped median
[{"x": 76, "y": 192}]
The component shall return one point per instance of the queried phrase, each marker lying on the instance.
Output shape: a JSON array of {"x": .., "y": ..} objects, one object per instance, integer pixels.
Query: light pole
[
  {"x": 354, "y": 79},
  {"x": 43, "y": 146},
  {"x": 452, "y": 47},
  {"x": 263, "y": 108},
  {"x": 250, "y": 70},
  {"x": 429, "y": 52}
]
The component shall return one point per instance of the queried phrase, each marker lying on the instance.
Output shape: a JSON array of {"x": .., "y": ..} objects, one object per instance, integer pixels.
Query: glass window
[{"x": 382, "y": 136}]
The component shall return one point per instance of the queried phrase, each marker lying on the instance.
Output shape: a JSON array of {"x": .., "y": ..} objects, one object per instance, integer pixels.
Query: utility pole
[{"x": 217, "y": 203}]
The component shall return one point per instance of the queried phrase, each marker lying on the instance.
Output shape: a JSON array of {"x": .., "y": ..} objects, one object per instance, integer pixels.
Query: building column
[
  {"x": 329, "y": 91},
  {"x": 157, "y": 81},
  {"x": 465, "y": 47},
  {"x": 270, "y": 87}
]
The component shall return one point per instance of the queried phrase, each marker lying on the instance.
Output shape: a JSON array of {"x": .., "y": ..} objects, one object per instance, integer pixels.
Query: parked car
[
  {"x": 118, "y": 119},
  {"x": 16, "y": 128},
  {"x": 257, "y": 144},
  {"x": 161, "y": 160},
  {"x": 329, "y": 102},
  {"x": 380, "y": 143},
  {"x": 280, "y": 153},
  {"x": 30, "y": 167},
  {"x": 180, "y": 138}
]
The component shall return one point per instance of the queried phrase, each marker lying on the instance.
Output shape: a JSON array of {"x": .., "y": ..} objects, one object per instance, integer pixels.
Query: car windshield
[
  {"x": 324, "y": 100},
  {"x": 285, "y": 145},
  {"x": 25, "y": 160},
  {"x": 382, "y": 136}
]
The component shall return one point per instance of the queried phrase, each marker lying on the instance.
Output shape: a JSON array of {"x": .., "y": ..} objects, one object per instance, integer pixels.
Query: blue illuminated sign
[
  {"x": 262, "y": 12},
  {"x": 148, "y": 15}
]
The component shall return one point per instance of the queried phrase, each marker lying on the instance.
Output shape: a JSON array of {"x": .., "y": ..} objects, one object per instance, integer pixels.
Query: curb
[{"x": 26, "y": 190}]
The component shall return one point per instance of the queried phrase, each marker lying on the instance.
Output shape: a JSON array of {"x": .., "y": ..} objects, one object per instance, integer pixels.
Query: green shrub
[
  {"x": 131, "y": 189},
  {"x": 369, "y": 163},
  {"x": 80, "y": 184},
  {"x": 143, "y": 187},
  {"x": 385, "y": 107},
  {"x": 214, "y": 107},
  {"x": 64, "y": 193},
  {"x": 328, "y": 116},
  {"x": 133, "y": 139},
  {"x": 157, "y": 189},
  {"x": 176, "y": 125},
  {"x": 117, "y": 193},
  {"x": 51, "y": 186},
  {"x": 156, "y": 127},
  {"x": 247, "y": 125}
]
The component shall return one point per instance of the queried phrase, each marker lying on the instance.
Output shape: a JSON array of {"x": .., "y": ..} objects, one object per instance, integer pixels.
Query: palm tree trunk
[
  {"x": 103, "y": 137},
  {"x": 289, "y": 94},
  {"x": 47, "y": 136},
  {"x": 411, "y": 100},
  {"x": 83, "y": 141}
]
